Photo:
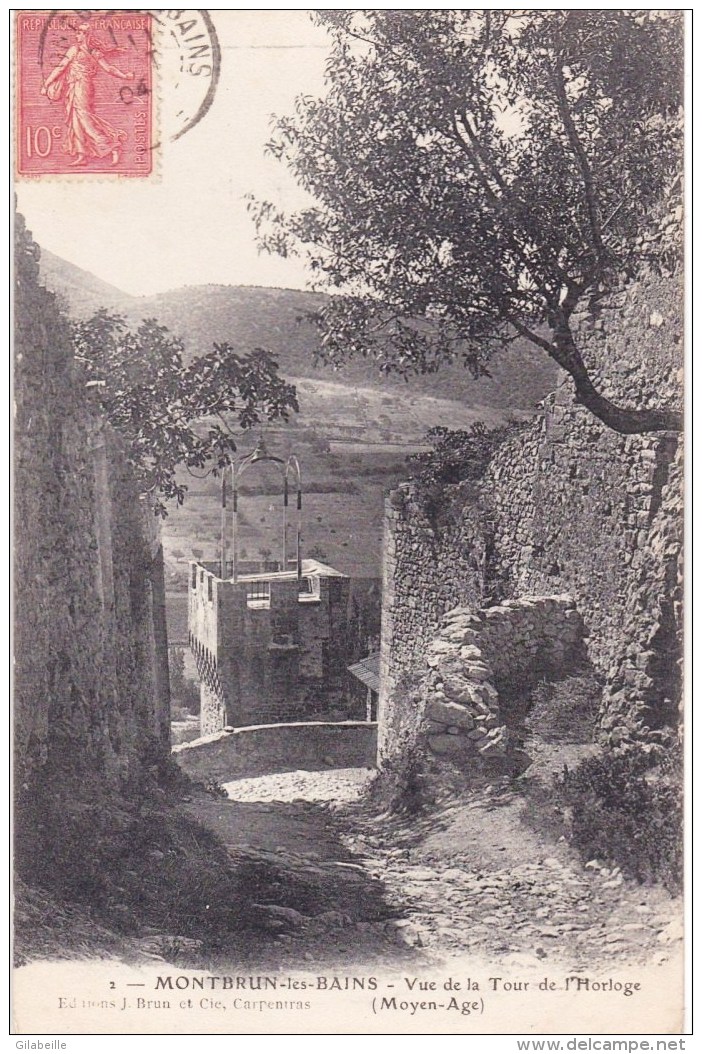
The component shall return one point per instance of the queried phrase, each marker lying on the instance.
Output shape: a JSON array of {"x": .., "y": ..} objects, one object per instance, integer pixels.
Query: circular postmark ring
[
  {"x": 191, "y": 68},
  {"x": 213, "y": 80}
]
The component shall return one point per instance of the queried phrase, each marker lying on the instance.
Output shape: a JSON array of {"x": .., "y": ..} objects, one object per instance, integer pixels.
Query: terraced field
[{"x": 353, "y": 445}]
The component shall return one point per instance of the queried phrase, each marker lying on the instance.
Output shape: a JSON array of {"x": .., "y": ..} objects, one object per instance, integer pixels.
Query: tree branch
[
  {"x": 612, "y": 214},
  {"x": 482, "y": 153},
  {"x": 535, "y": 338},
  {"x": 563, "y": 350},
  {"x": 471, "y": 154},
  {"x": 367, "y": 40},
  {"x": 581, "y": 158},
  {"x": 503, "y": 198}
]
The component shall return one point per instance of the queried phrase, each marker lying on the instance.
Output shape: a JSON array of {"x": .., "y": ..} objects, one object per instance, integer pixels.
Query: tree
[
  {"x": 456, "y": 456},
  {"x": 482, "y": 177},
  {"x": 170, "y": 413}
]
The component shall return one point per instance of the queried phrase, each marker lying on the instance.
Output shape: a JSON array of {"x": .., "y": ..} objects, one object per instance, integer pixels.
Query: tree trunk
[{"x": 620, "y": 419}]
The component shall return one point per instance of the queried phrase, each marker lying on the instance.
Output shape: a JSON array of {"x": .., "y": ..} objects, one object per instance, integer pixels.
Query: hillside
[
  {"x": 80, "y": 290},
  {"x": 251, "y": 317},
  {"x": 352, "y": 435}
]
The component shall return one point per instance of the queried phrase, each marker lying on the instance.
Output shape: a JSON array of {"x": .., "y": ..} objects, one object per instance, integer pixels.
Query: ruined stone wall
[
  {"x": 91, "y": 666},
  {"x": 477, "y": 657},
  {"x": 580, "y": 509},
  {"x": 426, "y": 572},
  {"x": 567, "y": 507}
]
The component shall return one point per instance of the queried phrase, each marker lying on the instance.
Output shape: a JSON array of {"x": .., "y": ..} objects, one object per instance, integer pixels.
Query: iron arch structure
[{"x": 291, "y": 479}]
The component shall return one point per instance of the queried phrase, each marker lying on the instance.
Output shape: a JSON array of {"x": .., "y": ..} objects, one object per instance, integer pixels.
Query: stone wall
[
  {"x": 258, "y": 751},
  {"x": 580, "y": 509},
  {"x": 91, "y": 664},
  {"x": 477, "y": 657},
  {"x": 567, "y": 507},
  {"x": 592, "y": 520},
  {"x": 426, "y": 573}
]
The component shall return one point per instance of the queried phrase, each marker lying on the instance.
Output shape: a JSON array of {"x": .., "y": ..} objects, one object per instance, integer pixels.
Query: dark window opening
[{"x": 258, "y": 591}]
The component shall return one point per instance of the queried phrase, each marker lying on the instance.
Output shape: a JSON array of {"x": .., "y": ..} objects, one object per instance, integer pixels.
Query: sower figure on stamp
[{"x": 72, "y": 81}]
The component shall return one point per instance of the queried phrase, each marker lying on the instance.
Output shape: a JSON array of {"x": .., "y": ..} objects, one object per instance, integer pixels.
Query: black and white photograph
[{"x": 348, "y": 486}]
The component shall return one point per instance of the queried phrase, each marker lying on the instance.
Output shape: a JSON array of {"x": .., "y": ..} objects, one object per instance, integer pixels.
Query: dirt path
[
  {"x": 470, "y": 876},
  {"x": 315, "y": 902},
  {"x": 292, "y": 829},
  {"x": 478, "y": 879}
]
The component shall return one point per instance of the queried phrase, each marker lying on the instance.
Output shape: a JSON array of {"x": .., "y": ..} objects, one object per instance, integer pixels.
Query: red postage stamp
[{"x": 84, "y": 90}]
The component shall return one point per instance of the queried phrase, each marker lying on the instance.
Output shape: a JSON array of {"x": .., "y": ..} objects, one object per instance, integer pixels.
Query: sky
[{"x": 189, "y": 225}]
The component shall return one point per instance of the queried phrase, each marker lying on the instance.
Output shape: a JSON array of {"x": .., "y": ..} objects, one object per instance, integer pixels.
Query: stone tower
[{"x": 270, "y": 639}]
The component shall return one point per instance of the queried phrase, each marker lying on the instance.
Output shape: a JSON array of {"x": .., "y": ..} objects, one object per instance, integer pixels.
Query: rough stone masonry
[
  {"x": 91, "y": 656},
  {"x": 477, "y": 655},
  {"x": 566, "y": 507}
]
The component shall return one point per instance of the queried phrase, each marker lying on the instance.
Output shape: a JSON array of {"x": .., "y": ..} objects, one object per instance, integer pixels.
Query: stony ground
[
  {"x": 471, "y": 876},
  {"x": 336, "y": 785},
  {"x": 337, "y": 884},
  {"x": 477, "y": 879}
]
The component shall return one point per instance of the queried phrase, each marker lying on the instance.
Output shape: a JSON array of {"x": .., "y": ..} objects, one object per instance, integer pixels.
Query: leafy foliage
[
  {"x": 480, "y": 176},
  {"x": 628, "y": 809},
  {"x": 457, "y": 455},
  {"x": 170, "y": 413}
]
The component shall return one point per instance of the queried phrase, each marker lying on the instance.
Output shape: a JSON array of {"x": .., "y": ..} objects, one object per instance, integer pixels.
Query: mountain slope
[
  {"x": 82, "y": 292},
  {"x": 251, "y": 317}
]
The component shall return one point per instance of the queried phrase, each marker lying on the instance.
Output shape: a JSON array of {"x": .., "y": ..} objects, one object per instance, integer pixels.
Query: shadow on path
[{"x": 313, "y": 902}]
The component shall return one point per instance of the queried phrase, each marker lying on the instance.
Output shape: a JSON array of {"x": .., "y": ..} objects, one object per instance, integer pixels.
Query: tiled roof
[{"x": 368, "y": 671}]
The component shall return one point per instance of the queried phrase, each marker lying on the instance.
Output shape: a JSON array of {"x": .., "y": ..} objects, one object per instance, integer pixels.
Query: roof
[
  {"x": 310, "y": 568},
  {"x": 368, "y": 671}
]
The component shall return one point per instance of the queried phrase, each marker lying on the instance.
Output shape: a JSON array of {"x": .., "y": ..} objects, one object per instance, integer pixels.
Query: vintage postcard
[{"x": 348, "y": 525}]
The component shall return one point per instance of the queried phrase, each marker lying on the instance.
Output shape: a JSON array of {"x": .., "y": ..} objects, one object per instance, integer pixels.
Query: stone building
[
  {"x": 270, "y": 646},
  {"x": 270, "y": 640}
]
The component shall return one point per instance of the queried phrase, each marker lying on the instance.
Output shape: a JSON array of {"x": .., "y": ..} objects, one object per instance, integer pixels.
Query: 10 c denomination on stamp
[{"x": 84, "y": 90}]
